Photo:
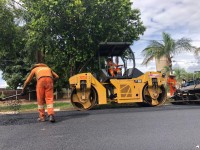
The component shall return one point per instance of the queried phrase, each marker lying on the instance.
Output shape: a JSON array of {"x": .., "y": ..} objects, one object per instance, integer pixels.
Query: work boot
[
  {"x": 51, "y": 118},
  {"x": 41, "y": 119}
]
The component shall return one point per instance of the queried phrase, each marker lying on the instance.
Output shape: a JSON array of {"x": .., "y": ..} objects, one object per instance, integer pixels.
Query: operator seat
[{"x": 136, "y": 73}]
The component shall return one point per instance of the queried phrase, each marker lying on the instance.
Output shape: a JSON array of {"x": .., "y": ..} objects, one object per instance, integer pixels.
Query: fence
[
  {"x": 63, "y": 94},
  {"x": 31, "y": 95}
]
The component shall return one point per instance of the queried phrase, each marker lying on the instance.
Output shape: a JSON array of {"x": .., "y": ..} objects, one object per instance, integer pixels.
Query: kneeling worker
[{"x": 44, "y": 89}]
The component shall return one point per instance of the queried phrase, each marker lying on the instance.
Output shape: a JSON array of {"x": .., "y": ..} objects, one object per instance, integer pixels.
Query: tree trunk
[
  {"x": 164, "y": 65},
  {"x": 39, "y": 56},
  {"x": 161, "y": 64}
]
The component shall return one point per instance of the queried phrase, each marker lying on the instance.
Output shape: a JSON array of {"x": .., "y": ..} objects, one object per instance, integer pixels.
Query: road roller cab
[{"x": 126, "y": 84}]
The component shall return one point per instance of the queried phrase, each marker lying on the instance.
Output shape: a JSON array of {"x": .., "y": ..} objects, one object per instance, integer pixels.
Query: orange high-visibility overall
[
  {"x": 172, "y": 85},
  {"x": 44, "y": 88},
  {"x": 113, "y": 69}
]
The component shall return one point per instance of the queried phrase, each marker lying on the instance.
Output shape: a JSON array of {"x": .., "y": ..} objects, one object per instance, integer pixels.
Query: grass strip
[{"x": 31, "y": 107}]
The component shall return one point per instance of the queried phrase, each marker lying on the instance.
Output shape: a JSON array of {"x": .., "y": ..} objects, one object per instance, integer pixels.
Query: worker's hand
[
  {"x": 55, "y": 79},
  {"x": 22, "y": 93}
]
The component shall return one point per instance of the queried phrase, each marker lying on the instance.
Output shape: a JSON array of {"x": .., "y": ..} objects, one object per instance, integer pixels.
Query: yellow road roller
[{"x": 117, "y": 81}]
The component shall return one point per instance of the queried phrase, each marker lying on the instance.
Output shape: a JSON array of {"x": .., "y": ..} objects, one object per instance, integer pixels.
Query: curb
[{"x": 9, "y": 113}]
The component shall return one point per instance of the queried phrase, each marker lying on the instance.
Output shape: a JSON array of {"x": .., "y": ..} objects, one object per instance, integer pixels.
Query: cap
[{"x": 39, "y": 65}]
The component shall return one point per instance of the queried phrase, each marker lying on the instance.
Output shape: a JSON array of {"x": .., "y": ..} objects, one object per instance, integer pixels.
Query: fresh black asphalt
[{"x": 171, "y": 127}]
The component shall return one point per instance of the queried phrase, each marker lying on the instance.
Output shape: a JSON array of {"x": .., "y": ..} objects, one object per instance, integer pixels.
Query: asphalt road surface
[{"x": 171, "y": 127}]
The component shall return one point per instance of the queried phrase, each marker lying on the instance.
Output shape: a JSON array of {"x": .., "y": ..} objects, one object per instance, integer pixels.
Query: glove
[{"x": 22, "y": 93}]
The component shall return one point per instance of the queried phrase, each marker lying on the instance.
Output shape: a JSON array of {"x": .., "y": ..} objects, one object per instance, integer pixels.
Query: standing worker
[
  {"x": 171, "y": 81},
  {"x": 44, "y": 76}
]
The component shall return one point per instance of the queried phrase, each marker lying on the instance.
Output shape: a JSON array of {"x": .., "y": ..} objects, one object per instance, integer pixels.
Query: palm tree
[
  {"x": 166, "y": 69},
  {"x": 196, "y": 54},
  {"x": 181, "y": 75},
  {"x": 166, "y": 49}
]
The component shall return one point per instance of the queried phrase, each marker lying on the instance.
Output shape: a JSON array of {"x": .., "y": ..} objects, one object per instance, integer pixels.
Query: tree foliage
[
  {"x": 12, "y": 41},
  {"x": 65, "y": 34}
]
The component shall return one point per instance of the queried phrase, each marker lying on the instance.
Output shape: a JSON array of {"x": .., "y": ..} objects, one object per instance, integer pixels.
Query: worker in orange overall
[
  {"x": 44, "y": 89},
  {"x": 113, "y": 68},
  {"x": 171, "y": 81}
]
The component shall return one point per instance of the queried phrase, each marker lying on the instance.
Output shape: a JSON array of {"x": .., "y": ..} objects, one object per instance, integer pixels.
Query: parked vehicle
[{"x": 188, "y": 93}]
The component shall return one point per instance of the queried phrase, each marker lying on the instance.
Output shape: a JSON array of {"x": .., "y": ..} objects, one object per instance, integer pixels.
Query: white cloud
[
  {"x": 193, "y": 68},
  {"x": 182, "y": 16},
  {"x": 178, "y": 18}
]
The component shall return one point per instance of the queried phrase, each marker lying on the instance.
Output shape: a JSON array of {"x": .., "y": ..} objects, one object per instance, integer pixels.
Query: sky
[
  {"x": 2, "y": 82},
  {"x": 179, "y": 18}
]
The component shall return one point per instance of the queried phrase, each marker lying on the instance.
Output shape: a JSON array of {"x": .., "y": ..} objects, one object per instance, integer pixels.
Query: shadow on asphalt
[
  {"x": 67, "y": 115},
  {"x": 133, "y": 108},
  {"x": 31, "y": 118},
  {"x": 104, "y": 109},
  {"x": 116, "y": 106},
  {"x": 168, "y": 106}
]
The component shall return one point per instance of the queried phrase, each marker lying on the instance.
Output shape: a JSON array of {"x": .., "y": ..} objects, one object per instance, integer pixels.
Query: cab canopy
[
  {"x": 120, "y": 53},
  {"x": 113, "y": 48}
]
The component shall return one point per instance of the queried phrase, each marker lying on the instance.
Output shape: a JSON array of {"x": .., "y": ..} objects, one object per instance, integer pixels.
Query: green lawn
[{"x": 24, "y": 107}]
